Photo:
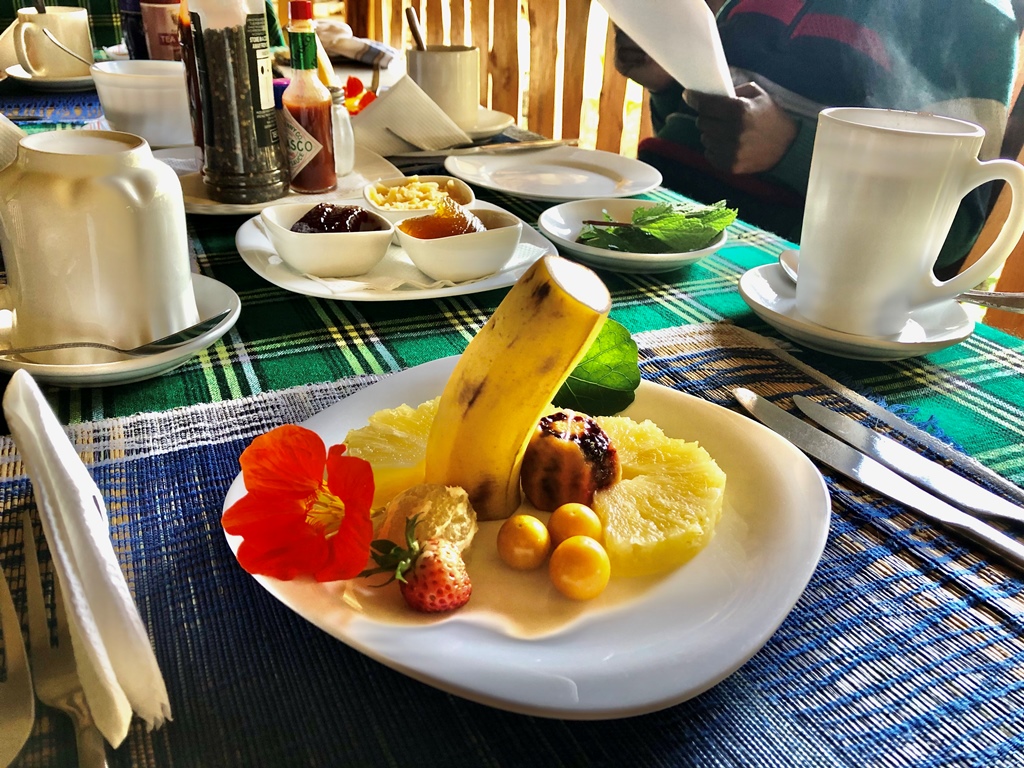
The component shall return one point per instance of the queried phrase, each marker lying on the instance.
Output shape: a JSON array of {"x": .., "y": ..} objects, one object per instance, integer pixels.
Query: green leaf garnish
[
  {"x": 605, "y": 380},
  {"x": 660, "y": 228}
]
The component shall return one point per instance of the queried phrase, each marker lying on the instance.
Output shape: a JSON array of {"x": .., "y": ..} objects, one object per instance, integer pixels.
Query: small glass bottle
[
  {"x": 344, "y": 140},
  {"x": 188, "y": 58},
  {"x": 307, "y": 108}
]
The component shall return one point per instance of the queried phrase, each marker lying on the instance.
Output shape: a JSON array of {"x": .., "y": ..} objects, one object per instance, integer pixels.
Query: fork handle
[{"x": 92, "y": 747}]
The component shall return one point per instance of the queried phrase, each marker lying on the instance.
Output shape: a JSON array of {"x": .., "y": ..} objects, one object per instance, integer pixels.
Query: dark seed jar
[{"x": 242, "y": 157}]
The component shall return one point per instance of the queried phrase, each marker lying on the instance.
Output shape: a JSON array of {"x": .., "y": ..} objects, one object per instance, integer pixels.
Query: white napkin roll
[{"x": 116, "y": 663}]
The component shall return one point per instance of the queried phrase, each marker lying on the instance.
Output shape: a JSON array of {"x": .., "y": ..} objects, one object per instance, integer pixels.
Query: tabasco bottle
[{"x": 307, "y": 108}]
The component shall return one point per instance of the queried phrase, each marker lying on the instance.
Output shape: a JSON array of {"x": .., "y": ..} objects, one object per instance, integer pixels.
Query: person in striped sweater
[{"x": 792, "y": 58}]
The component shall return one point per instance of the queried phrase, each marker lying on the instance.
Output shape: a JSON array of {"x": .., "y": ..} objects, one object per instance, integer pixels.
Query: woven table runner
[{"x": 905, "y": 649}]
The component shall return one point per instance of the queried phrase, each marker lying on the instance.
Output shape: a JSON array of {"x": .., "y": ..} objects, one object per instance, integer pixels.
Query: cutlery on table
[
  {"x": 501, "y": 148},
  {"x": 957, "y": 490},
  {"x": 17, "y": 702},
  {"x": 164, "y": 344},
  {"x": 1008, "y": 302},
  {"x": 56, "y": 676},
  {"x": 876, "y": 476}
]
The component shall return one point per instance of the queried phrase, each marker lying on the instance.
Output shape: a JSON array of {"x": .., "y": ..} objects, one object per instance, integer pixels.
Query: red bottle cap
[{"x": 300, "y": 10}]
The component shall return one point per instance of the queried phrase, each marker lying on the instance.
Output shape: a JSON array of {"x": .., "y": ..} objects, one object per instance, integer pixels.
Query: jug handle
[{"x": 992, "y": 170}]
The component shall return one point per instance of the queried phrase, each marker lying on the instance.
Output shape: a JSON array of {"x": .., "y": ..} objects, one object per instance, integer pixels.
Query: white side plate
[
  {"x": 558, "y": 174},
  {"x": 258, "y": 252},
  {"x": 369, "y": 167}
]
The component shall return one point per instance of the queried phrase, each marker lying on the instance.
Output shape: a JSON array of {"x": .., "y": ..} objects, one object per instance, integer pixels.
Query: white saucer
[
  {"x": 489, "y": 123},
  {"x": 212, "y": 298},
  {"x": 562, "y": 224},
  {"x": 82, "y": 83},
  {"x": 770, "y": 292}
]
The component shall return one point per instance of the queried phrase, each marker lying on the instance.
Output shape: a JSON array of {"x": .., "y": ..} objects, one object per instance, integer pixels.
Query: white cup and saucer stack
[
  {"x": 883, "y": 191},
  {"x": 53, "y": 49}
]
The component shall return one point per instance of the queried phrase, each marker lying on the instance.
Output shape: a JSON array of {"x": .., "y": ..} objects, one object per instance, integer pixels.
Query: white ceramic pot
[{"x": 92, "y": 229}]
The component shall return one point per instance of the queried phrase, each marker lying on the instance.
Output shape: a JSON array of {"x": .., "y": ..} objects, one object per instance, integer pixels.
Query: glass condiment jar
[
  {"x": 307, "y": 108},
  {"x": 243, "y": 161},
  {"x": 344, "y": 139}
]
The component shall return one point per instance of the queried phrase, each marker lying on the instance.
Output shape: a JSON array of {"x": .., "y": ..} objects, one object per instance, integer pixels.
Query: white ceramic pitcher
[{"x": 92, "y": 229}]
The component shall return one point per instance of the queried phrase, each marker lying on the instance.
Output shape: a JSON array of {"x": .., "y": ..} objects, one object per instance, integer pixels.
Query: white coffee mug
[
  {"x": 883, "y": 191},
  {"x": 450, "y": 75},
  {"x": 92, "y": 228},
  {"x": 43, "y": 58}
]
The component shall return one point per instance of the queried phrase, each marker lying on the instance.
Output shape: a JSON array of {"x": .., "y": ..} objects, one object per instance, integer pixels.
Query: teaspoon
[{"x": 63, "y": 47}]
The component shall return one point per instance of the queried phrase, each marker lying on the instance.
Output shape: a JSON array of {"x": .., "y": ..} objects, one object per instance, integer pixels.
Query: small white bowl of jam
[
  {"x": 457, "y": 243},
  {"x": 327, "y": 240}
]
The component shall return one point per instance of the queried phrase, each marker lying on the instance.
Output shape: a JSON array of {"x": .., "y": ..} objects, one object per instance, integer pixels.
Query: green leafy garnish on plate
[
  {"x": 660, "y": 228},
  {"x": 605, "y": 380}
]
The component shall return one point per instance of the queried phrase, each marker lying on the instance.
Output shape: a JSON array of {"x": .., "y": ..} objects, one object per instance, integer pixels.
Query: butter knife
[
  {"x": 943, "y": 482},
  {"x": 870, "y": 473},
  {"x": 502, "y": 148}
]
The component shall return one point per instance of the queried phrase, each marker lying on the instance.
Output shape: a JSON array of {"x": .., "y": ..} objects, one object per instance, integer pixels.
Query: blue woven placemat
[{"x": 905, "y": 649}]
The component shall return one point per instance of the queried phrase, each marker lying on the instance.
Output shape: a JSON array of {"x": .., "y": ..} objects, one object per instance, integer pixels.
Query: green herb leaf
[
  {"x": 661, "y": 228},
  {"x": 605, "y": 380}
]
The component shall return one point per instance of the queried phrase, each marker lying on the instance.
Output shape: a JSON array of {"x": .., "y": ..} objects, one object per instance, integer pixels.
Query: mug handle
[
  {"x": 1012, "y": 173},
  {"x": 22, "y": 51}
]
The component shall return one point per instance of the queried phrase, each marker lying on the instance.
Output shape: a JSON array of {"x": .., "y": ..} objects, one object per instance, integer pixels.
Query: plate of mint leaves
[{"x": 639, "y": 236}]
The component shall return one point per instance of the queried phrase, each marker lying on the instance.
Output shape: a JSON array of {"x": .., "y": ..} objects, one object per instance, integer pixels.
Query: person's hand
[
  {"x": 634, "y": 63},
  {"x": 746, "y": 134}
]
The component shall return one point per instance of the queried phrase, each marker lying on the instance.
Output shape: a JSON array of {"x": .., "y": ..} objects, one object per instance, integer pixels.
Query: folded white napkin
[
  {"x": 338, "y": 40},
  {"x": 403, "y": 119},
  {"x": 10, "y": 136},
  {"x": 396, "y": 270},
  {"x": 116, "y": 663}
]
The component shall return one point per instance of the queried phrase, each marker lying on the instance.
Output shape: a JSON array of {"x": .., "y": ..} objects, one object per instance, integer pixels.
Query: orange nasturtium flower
[{"x": 293, "y": 521}]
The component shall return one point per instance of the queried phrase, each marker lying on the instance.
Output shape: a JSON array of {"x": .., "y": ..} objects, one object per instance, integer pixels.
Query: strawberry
[
  {"x": 438, "y": 580},
  {"x": 432, "y": 576}
]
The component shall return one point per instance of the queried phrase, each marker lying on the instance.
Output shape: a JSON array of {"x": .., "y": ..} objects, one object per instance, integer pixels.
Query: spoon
[
  {"x": 164, "y": 344},
  {"x": 1008, "y": 302},
  {"x": 63, "y": 47},
  {"x": 415, "y": 28},
  {"x": 40, "y": 6}
]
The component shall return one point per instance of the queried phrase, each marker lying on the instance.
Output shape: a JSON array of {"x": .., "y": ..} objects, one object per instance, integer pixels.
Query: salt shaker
[{"x": 344, "y": 140}]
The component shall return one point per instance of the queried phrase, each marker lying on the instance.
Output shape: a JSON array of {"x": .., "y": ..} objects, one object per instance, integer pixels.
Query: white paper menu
[{"x": 681, "y": 36}]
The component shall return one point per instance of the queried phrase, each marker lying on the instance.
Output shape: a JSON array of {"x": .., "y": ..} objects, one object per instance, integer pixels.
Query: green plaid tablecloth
[{"x": 906, "y": 648}]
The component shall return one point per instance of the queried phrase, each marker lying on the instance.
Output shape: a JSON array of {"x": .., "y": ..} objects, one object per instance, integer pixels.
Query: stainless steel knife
[
  {"x": 502, "y": 148},
  {"x": 943, "y": 482},
  {"x": 868, "y": 472}
]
